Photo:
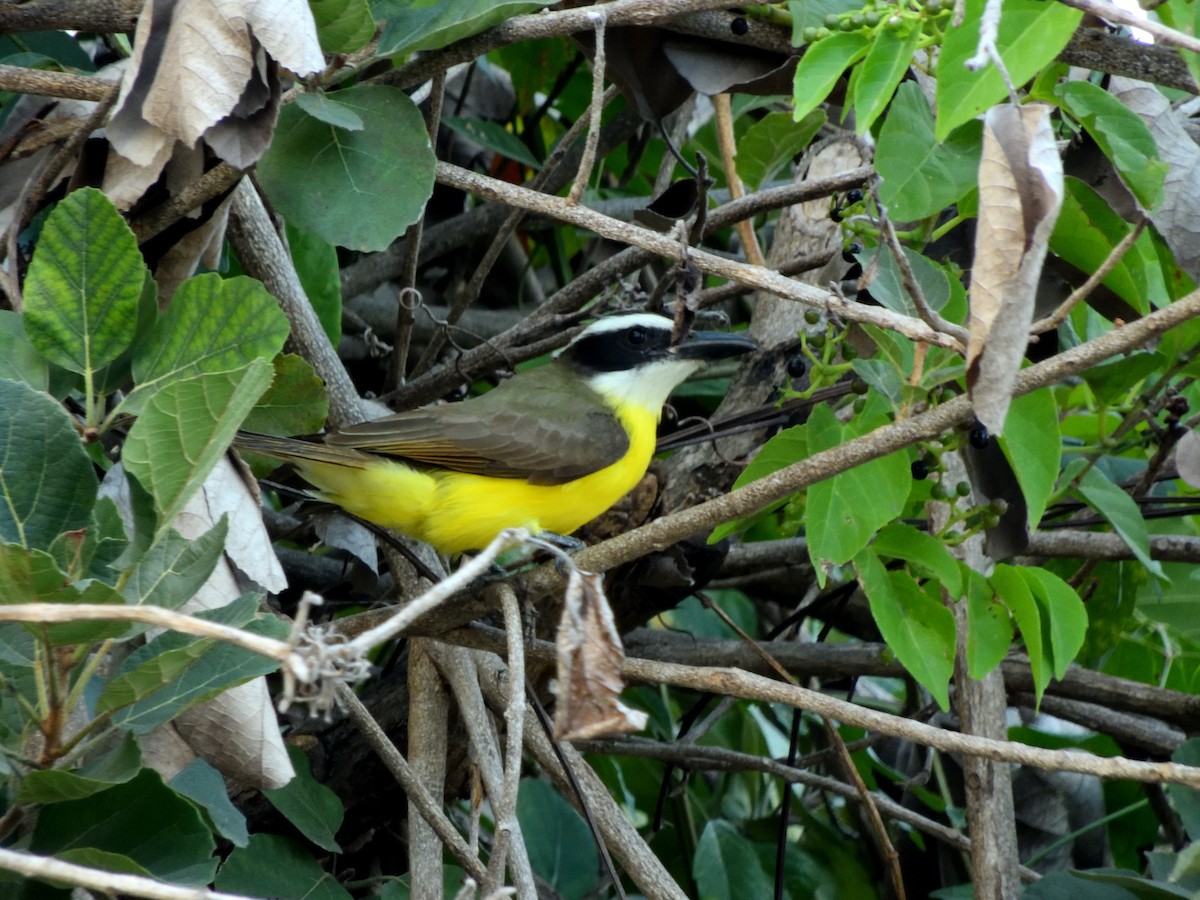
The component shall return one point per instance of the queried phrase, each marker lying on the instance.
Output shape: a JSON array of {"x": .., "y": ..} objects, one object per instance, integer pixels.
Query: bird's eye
[{"x": 637, "y": 335}]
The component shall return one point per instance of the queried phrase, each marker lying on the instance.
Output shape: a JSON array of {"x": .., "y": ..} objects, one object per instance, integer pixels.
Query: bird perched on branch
[{"x": 548, "y": 450}]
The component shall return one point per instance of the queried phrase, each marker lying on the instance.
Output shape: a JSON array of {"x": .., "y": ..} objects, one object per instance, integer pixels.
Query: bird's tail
[{"x": 294, "y": 450}]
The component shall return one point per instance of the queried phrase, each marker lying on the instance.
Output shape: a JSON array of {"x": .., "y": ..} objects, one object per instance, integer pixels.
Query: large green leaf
[
  {"x": 142, "y": 819},
  {"x": 204, "y": 786},
  {"x": 916, "y": 627},
  {"x": 845, "y": 511},
  {"x": 1063, "y": 611},
  {"x": 1031, "y": 35},
  {"x": 822, "y": 65},
  {"x": 47, "y": 485},
  {"x": 561, "y": 848},
  {"x": 989, "y": 627},
  {"x": 172, "y": 570},
  {"x": 117, "y": 766},
  {"x": 1086, "y": 232},
  {"x": 922, "y": 176},
  {"x": 1121, "y": 134},
  {"x": 295, "y": 403},
  {"x": 1122, "y": 513},
  {"x": 214, "y": 324},
  {"x": 274, "y": 866},
  {"x": 314, "y": 809},
  {"x": 355, "y": 189},
  {"x": 887, "y": 61},
  {"x": 219, "y": 667},
  {"x": 772, "y": 143},
  {"x": 427, "y": 26},
  {"x": 1033, "y": 447},
  {"x": 150, "y": 675},
  {"x": 927, "y": 555},
  {"x": 185, "y": 429},
  {"x": 19, "y": 359},
  {"x": 81, "y": 295},
  {"x": 783, "y": 449},
  {"x": 343, "y": 26},
  {"x": 726, "y": 865},
  {"x": 1013, "y": 591},
  {"x": 317, "y": 266}
]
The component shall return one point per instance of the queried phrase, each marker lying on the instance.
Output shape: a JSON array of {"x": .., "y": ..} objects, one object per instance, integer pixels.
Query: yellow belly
[{"x": 455, "y": 511}]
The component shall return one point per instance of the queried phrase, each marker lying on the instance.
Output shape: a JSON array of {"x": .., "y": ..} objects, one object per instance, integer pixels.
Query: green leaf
[
  {"x": 174, "y": 568},
  {"x": 204, "y": 786},
  {"x": 81, "y": 295},
  {"x": 989, "y": 627},
  {"x": 214, "y": 324},
  {"x": 780, "y": 450},
  {"x": 274, "y": 866},
  {"x": 116, "y": 766},
  {"x": 772, "y": 143},
  {"x": 1187, "y": 799},
  {"x": 317, "y": 265},
  {"x": 47, "y": 485},
  {"x": 430, "y": 26},
  {"x": 1122, "y": 513},
  {"x": 343, "y": 26},
  {"x": 1121, "y": 135},
  {"x": 33, "y": 576},
  {"x": 314, "y": 809},
  {"x": 888, "y": 59},
  {"x": 220, "y": 667},
  {"x": 295, "y": 403},
  {"x": 325, "y": 109},
  {"x": 917, "y": 628},
  {"x": 142, "y": 819},
  {"x": 19, "y": 359},
  {"x": 888, "y": 285},
  {"x": 845, "y": 511},
  {"x": 495, "y": 137},
  {"x": 151, "y": 675},
  {"x": 1013, "y": 591},
  {"x": 1116, "y": 379},
  {"x": 561, "y": 848},
  {"x": 355, "y": 189},
  {"x": 1085, "y": 234},
  {"x": 822, "y": 65},
  {"x": 726, "y": 865},
  {"x": 1033, "y": 447},
  {"x": 921, "y": 176},
  {"x": 926, "y": 554},
  {"x": 1063, "y": 610},
  {"x": 1031, "y": 35},
  {"x": 185, "y": 430}
]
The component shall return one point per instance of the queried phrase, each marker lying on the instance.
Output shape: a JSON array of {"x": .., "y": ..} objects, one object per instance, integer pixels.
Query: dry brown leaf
[
  {"x": 1020, "y": 193},
  {"x": 589, "y": 666},
  {"x": 208, "y": 69},
  {"x": 1177, "y": 216}
]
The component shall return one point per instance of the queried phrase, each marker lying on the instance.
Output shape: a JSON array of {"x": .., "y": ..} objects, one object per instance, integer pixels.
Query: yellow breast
[{"x": 456, "y": 511}]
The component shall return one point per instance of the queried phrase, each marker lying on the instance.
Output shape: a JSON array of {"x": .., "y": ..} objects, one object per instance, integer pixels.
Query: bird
[{"x": 547, "y": 450}]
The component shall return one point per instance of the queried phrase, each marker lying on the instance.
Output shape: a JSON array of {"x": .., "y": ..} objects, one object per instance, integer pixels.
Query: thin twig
[
  {"x": 431, "y": 811},
  {"x": 931, "y": 317},
  {"x": 46, "y": 868},
  {"x": 588, "y": 159},
  {"x": 745, "y": 228},
  {"x": 759, "y": 277},
  {"x": 1114, "y": 13}
]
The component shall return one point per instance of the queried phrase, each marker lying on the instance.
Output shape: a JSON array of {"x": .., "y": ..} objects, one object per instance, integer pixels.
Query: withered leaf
[
  {"x": 1020, "y": 193},
  {"x": 589, "y": 666}
]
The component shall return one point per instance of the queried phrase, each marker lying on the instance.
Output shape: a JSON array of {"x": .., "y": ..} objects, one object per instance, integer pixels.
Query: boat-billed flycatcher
[{"x": 549, "y": 449}]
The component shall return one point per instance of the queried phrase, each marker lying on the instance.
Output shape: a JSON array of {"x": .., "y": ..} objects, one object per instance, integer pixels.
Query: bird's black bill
[{"x": 714, "y": 345}]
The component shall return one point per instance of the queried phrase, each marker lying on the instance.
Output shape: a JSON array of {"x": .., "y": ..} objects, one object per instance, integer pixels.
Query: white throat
[{"x": 647, "y": 386}]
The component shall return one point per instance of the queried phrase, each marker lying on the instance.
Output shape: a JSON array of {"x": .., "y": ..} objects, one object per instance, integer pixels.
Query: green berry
[
  {"x": 858, "y": 386},
  {"x": 833, "y": 21},
  {"x": 860, "y": 403},
  {"x": 963, "y": 488},
  {"x": 812, "y": 316}
]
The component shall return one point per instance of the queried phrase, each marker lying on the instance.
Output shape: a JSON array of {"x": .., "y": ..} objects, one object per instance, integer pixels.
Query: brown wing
[{"x": 516, "y": 430}]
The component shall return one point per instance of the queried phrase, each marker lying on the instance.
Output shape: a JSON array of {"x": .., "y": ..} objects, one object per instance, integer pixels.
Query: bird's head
[{"x": 629, "y": 359}]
